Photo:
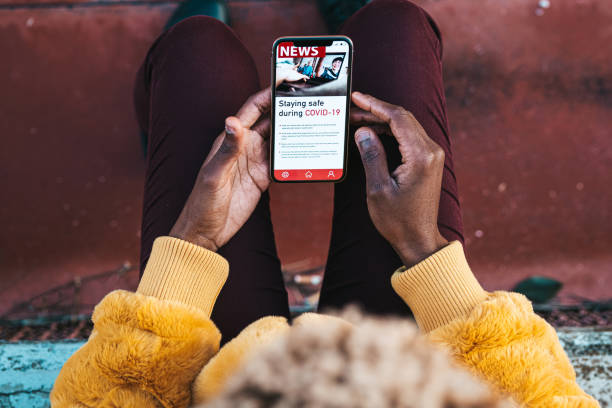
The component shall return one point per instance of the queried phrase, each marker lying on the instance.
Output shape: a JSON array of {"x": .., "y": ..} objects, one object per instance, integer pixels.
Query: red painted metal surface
[{"x": 529, "y": 92}]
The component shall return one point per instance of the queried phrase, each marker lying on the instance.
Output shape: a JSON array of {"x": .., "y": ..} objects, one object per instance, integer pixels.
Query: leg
[
  {"x": 398, "y": 59},
  {"x": 195, "y": 75}
]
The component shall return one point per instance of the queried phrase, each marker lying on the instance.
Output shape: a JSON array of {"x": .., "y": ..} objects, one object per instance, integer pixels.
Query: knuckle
[
  {"x": 423, "y": 161},
  {"x": 259, "y": 104},
  {"x": 371, "y": 155},
  {"x": 378, "y": 190},
  {"x": 439, "y": 154},
  {"x": 409, "y": 115},
  {"x": 261, "y": 100},
  {"x": 429, "y": 160},
  {"x": 398, "y": 112},
  {"x": 250, "y": 100},
  {"x": 401, "y": 115}
]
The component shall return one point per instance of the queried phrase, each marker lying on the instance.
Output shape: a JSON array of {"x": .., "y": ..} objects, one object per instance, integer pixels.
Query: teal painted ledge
[{"x": 28, "y": 369}]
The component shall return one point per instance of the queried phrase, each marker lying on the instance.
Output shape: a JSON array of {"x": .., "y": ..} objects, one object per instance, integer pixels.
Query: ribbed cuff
[
  {"x": 180, "y": 271},
  {"x": 439, "y": 289}
]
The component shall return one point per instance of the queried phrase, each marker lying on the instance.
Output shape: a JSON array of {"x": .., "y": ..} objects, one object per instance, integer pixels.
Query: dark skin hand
[
  {"x": 231, "y": 180},
  {"x": 403, "y": 205}
]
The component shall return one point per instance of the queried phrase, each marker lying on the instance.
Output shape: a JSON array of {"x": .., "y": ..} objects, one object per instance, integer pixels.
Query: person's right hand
[
  {"x": 231, "y": 180},
  {"x": 403, "y": 205}
]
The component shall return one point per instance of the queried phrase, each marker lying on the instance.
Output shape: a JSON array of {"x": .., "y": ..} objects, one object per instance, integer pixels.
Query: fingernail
[
  {"x": 362, "y": 136},
  {"x": 229, "y": 129}
]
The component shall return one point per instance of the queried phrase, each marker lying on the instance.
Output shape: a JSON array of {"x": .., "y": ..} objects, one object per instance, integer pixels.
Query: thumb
[
  {"x": 373, "y": 157},
  {"x": 230, "y": 147}
]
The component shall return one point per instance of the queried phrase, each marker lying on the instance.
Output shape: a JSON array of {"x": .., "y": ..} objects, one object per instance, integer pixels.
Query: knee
[
  {"x": 381, "y": 10},
  {"x": 389, "y": 16},
  {"x": 205, "y": 53},
  {"x": 197, "y": 37},
  {"x": 198, "y": 27}
]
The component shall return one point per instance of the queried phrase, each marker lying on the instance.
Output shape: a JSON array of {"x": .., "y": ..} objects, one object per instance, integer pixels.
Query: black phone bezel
[{"x": 311, "y": 41}]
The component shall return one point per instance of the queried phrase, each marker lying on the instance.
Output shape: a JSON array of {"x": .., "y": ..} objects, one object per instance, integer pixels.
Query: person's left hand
[{"x": 231, "y": 180}]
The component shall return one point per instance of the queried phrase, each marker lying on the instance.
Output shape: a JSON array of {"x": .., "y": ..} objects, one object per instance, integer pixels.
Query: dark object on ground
[
  {"x": 213, "y": 8},
  {"x": 336, "y": 12},
  {"x": 538, "y": 289}
]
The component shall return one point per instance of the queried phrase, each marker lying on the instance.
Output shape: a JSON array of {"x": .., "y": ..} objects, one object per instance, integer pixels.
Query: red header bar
[
  {"x": 308, "y": 175},
  {"x": 287, "y": 50}
]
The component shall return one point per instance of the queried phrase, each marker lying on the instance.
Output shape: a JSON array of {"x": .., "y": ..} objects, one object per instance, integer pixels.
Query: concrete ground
[{"x": 529, "y": 89}]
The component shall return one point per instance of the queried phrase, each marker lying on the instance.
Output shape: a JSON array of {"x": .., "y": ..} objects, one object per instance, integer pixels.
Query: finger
[
  {"x": 381, "y": 109},
  {"x": 381, "y": 130},
  {"x": 262, "y": 127},
  {"x": 359, "y": 116},
  {"x": 401, "y": 122},
  {"x": 254, "y": 107},
  {"x": 229, "y": 148},
  {"x": 374, "y": 159}
]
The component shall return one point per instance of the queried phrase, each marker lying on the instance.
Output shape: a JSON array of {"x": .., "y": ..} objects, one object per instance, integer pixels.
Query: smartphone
[{"x": 311, "y": 94}]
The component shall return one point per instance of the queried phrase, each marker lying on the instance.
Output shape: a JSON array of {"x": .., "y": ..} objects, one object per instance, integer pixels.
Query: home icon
[{"x": 308, "y": 174}]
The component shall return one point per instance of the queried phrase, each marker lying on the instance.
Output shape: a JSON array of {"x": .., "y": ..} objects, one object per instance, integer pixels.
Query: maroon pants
[{"x": 198, "y": 72}]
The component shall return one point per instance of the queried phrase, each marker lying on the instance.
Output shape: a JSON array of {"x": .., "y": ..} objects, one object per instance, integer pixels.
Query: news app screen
[{"x": 310, "y": 108}]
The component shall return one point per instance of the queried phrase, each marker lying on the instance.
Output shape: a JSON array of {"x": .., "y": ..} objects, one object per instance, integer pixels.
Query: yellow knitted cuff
[
  {"x": 440, "y": 288},
  {"x": 181, "y": 271}
]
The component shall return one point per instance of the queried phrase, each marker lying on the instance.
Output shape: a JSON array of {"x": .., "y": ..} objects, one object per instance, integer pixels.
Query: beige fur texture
[
  {"x": 234, "y": 354},
  {"x": 325, "y": 362}
]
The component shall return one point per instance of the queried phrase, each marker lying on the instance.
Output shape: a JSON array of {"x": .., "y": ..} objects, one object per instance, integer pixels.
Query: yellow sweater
[{"x": 158, "y": 346}]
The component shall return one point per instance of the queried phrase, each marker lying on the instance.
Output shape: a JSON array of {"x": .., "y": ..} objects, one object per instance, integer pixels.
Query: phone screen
[{"x": 311, "y": 80}]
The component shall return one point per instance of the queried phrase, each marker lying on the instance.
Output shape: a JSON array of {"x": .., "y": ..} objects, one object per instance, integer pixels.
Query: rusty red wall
[{"x": 529, "y": 93}]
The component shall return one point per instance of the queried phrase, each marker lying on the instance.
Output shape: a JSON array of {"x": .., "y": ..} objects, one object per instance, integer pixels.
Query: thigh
[
  {"x": 398, "y": 59},
  {"x": 194, "y": 76}
]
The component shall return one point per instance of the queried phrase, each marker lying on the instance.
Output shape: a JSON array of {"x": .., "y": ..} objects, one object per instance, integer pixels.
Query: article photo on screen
[{"x": 311, "y": 79}]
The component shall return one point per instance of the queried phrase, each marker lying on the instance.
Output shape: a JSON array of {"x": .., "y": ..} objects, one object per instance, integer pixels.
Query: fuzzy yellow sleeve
[
  {"x": 147, "y": 347},
  {"x": 497, "y": 336}
]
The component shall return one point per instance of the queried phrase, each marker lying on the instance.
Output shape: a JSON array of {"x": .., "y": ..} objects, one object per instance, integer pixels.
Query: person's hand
[
  {"x": 403, "y": 205},
  {"x": 231, "y": 180},
  {"x": 289, "y": 75}
]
